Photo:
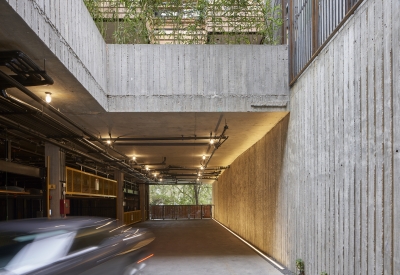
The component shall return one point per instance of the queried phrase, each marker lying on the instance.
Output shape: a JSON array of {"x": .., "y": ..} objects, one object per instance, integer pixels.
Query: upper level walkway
[{"x": 194, "y": 247}]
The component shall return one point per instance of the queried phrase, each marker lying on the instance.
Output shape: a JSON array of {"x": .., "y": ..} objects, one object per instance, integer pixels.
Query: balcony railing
[
  {"x": 312, "y": 24},
  {"x": 175, "y": 212}
]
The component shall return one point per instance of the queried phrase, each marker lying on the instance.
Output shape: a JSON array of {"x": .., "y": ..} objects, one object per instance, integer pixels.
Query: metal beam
[{"x": 20, "y": 169}]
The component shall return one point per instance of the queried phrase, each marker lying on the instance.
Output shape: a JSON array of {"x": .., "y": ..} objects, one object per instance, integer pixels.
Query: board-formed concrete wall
[
  {"x": 198, "y": 78},
  {"x": 68, "y": 30},
  {"x": 336, "y": 203},
  {"x": 155, "y": 78},
  {"x": 246, "y": 194}
]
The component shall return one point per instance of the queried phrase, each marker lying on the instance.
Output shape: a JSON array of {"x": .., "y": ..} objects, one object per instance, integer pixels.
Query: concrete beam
[{"x": 197, "y": 78}]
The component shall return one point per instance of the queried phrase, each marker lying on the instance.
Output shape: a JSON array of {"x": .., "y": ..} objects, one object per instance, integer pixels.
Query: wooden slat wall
[{"x": 335, "y": 204}]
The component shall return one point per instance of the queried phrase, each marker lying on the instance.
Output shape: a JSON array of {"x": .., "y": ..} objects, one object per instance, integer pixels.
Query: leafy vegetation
[
  {"x": 180, "y": 194},
  {"x": 187, "y": 21}
]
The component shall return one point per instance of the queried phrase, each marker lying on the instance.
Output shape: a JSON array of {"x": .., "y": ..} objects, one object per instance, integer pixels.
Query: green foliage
[
  {"x": 180, "y": 194},
  {"x": 300, "y": 265},
  {"x": 324, "y": 273},
  {"x": 187, "y": 21}
]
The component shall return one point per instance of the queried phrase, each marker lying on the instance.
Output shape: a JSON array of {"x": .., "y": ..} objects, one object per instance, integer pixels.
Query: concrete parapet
[{"x": 208, "y": 78}]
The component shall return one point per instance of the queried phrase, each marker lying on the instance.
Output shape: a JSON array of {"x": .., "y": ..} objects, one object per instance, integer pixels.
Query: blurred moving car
[{"x": 68, "y": 246}]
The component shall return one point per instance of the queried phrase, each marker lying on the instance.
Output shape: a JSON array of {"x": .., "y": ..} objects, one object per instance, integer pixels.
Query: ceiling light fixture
[
  {"x": 134, "y": 157},
  {"x": 48, "y": 97},
  {"x": 204, "y": 156},
  {"x": 108, "y": 141},
  {"x": 211, "y": 141}
]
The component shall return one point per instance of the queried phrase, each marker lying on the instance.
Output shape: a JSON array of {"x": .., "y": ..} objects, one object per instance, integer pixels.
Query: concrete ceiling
[{"x": 73, "y": 100}]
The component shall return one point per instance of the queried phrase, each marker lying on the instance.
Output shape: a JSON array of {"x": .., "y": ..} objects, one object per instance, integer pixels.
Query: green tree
[
  {"x": 181, "y": 194},
  {"x": 187, "y": 22}
]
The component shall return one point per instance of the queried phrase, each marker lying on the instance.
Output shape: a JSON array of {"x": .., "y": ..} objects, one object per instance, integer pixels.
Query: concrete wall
[
  {"x": 67, "y": 29},
  {"x": 156, "y": 78},
  {"x": 246, "y": 195},
  {"x": 336, "y": 202},
  {"x": 197, "y": 78}
]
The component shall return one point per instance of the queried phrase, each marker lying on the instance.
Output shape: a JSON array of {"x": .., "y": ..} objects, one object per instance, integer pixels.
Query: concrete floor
[{"x": 200, "y": 247}]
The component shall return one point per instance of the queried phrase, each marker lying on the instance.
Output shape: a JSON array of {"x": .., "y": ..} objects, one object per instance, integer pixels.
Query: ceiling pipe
[
  {"x": 81, "y": 141},
  {"x": 40, "y": 136},
  {"x": 23, "y": 89},
  {"x": 217, "y": 145},
  {"x": 93, "y": 169},
  {"x": 146, "y": 164},
  {"x": 160, "y": 144}
]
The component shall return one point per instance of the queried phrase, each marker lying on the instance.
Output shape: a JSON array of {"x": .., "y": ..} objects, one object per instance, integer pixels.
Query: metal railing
[
  {"x": 85, "y": 184},
  {"x": 175, "y": 212},
  {"x": 312, "y": 24}
]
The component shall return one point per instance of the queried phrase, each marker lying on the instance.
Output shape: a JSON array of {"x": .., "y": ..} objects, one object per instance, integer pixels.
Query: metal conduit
[
  {"x": 45, "y": 118},
  {"x": 31, "y": 132},
  {"x": 59, "y": 126},
  {"x": 53, "y": 109}
]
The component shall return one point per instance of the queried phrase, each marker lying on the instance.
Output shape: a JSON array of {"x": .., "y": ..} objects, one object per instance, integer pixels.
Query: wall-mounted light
[{"x": 48, "y": 97}]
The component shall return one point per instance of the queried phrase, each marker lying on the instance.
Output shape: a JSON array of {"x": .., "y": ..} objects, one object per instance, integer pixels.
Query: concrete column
[
  {"x": 119, "y": 177},
  {"x": 144, "y": 201},
  {"x": 56, "y": 164}
]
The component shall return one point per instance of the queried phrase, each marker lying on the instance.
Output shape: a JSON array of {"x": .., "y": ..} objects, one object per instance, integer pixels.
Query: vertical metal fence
[
  {"x": 312, "y": 24},
  {"x": 175, "y": 212}
]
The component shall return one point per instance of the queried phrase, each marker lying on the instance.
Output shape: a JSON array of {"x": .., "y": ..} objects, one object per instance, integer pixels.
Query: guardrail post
[{"x": 291, "y": 41}]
